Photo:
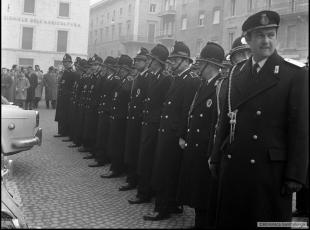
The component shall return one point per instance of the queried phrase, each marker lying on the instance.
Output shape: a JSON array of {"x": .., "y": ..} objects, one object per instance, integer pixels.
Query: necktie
[{"x": 255, "y": 70}]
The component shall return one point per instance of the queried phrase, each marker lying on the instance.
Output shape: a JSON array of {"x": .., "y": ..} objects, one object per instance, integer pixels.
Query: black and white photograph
[{"x": 154, "y": 114}]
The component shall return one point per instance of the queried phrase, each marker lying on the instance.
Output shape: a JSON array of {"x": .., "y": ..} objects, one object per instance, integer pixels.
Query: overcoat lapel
[{"x": 244, "y": 87}]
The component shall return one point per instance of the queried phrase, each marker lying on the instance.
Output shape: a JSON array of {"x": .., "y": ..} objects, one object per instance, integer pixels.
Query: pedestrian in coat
[
  {"x": 6, "y": 84},
  {"x": 197, "y": 188},
  {"x": 39, "y": 88},
  {"x": 50, "y": 84},
  {"x": 159, "y": 84},
  {"x": 21, "y": 86},
  {"x": 119, "y": 112},
  {"x": 259, "y": 153},
  {"x": 134, "y": 118},
  {"x": 173, "y": 122},
  {"x": 65, "y": 85},
  {"x": 33, "y": 80}
]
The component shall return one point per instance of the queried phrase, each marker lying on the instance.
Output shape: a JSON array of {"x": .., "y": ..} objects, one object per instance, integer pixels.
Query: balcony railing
[
  {"x": 139, "y": 38},
  {"x": 166, "y": 35},
  {"x": 168, "y": 11}
]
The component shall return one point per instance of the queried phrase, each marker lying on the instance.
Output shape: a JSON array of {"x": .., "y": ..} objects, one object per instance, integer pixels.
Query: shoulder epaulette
[
  {"x": 193, "y": 75},
  {"x": 294, "y": 62},
  {"x": 116, "y": 77}
]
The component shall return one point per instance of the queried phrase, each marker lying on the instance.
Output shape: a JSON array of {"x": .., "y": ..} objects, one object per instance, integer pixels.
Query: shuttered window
[
  {"x": 27, "y": 38},
  {"x": 62, "y": 40}
]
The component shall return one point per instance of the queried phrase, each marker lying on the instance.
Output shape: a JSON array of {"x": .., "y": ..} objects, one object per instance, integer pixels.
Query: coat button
[
  {"x": 258, "y": 112},
  {"x": 255, "y": 137},
  {"x": 187, "y": 130},
  {"x": 127, "y": 117},
  {"x": 163, "y": 130},
  {"x": 166, "y": 116},
  {"x": 185, "y": 144},
  {"x": 201, "y": 115},
  {"x": 169, "y": 102},
  {"x": 196, "y": 145},
  {"x": 134, "y": 106},
  {"x": 191, "y": 116},
  {"x": 252, "y": 161},
  {"x": 132, "y": 117},
  {"x": 161, "y": 116},
  {"x": 229, "y": 156},
  {"x": 198, "y": 130}
]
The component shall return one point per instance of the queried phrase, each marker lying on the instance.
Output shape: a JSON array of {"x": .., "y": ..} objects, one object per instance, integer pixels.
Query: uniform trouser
[
  {"x": 53, "y": 102},
  {"x": 102, "y": 140},
  {"x": 302, "y": 200},
  {"x": 78, "y": 137},
  {"x": 61, "y": 128},
  {"x": 146, "y": 160},
  {"x": 36, "y": 101},
  {"x": 132, "y": 150},
  {"x": 116, "y": 146},
  {"x": 201, "y": 218}
]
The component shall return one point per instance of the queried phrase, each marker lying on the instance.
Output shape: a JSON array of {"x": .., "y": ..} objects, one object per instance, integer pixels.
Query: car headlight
[{"x": 37, "y": 118}]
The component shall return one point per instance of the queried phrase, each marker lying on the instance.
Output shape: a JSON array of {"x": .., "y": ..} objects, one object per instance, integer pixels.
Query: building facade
[
  {"x": 40, "y": 32},
  {"x": 293, "y": 33},
  {"x": 123, "y": 26}
]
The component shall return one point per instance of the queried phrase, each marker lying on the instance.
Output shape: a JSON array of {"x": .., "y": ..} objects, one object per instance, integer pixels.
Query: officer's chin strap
[
  {"x": 231, "y": 114},
  {"x": 174, "y": 69},
  {"x": 203, "y": 69}
]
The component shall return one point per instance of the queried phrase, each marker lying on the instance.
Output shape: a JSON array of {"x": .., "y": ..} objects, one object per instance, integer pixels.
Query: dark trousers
[
  {"x": 165, "y": 202},
  {"x": 36, "y": 102},
  {"x": 100, "y": 150},
  {"x": 201, "y": 218},
  {"x": 61, "y": 128},
  {"x": 29, "y": 105},
  {"x": 302, "y": 200}
]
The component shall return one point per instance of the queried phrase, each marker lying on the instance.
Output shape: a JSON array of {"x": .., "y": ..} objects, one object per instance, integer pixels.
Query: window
[
  {"x": 291, "y": 36},
  {"x": 113, "y": 32},
  {"x": 62, "y": 40},
  {"x": 108, "y": 17},
  {"x": 293, "y": 5},
  {"x": 230, "y": 39},
  {"x": 184, "y": 23},
  {"x": 121, "y": 11},
  {"x": 64, "y": 9},
  {"x": 27, "y": 38},
  {"x": 102, "y": 16},
  {"x": 25, "y": 62},
  {"x": 29, "y": 6},
  {"x": 91, "y": 23},
  {"x": 128, "y": 27},
  {"x": 152, "y": 7},
  {"x": 201, "y": 19},
  {"x": 96, "y": 20},
  {"x": 129, "y": 9},
  {"x": 101, "y": 35},
  {"x": 96, "y": 37},
  {"x": 268, "y": 3},
  {"x": 216, "y": 17},
  {"x": 232, "y": 7},
  {"x": 250, "y": 5},
  {"x": 107, "y": 32},
  {"x": 184, "y": 2},
  {"x": 57, "y": 63},
  {"x": 120, "y": 29},
  {"x": 113, "y": 17}
]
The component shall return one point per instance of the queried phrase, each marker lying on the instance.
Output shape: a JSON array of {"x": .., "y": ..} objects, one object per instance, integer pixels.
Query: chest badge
[
  {"x": 209, "y": 103},
  {"x": 138, "y": 93},
  {"x": 115, "y": 95},
  {"x": 85, "y": 86}
]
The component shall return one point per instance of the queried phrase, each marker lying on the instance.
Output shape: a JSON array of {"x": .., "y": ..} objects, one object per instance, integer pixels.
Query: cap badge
[
  {"x": 209, "y": 103},
  {"x": 264, "y": 20},
  {"x": 243, "y": 41}
]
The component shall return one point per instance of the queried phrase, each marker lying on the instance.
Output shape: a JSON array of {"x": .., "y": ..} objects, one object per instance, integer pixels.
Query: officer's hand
[
  {"x": 182, "y": 143},
  {"x": 214, "y": 168},
  {"x": 290, "y": 187}
]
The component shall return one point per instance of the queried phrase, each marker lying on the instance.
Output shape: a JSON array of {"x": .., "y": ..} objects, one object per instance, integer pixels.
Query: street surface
[{"x": 57, "y": 189}]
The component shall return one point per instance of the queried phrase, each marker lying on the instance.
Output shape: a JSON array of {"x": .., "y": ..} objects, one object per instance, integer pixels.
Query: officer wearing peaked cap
[
  {"x": 158, "y": 87},
  {"x": 103, "y": 111},
  {"x": 90, "y": 122},
  {"x": 172, "y": 127},
  {"x": 196, "y": 185},
  {"x": 63, "y": 99},
  {"x": 134, "y": 118},
  {"x": 119, "y": 112},
  {"x": 261, "y": 134}
]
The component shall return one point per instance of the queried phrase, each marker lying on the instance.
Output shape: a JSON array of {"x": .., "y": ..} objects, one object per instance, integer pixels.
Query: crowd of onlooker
[{"x": 24, "y": 85}]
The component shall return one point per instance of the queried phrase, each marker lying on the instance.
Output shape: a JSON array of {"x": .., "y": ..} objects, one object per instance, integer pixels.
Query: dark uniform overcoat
[{"x": 268, "y": 147}]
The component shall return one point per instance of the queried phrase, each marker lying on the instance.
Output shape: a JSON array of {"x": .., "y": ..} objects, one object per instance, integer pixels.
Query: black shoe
[
  {"x": 177, "y": 210},
  {"x": 89, "y": 157},
  {"x": 96, "y": 165},
  {"x": 156, "y": 216},
  {"x": 127, "y": 187},
  {"x": 110, "y": 175},
  {"x": 138, "y": 200},
  {"x": 73, "y": 146},
  {"x": 59, "y": 135},
  {"x": 82, "y": 149},
  {"x": 67, "y": 140}
]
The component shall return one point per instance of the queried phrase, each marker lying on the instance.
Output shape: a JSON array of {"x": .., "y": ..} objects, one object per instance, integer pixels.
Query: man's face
[
  {"x": 66, "y": 64},
  {"x": 139, "y": 64},
  {"x": 263, "y": 42},
  {"x": 37, "y": 68},
  {"x": 123, "y": 72},
  {"x": 94, "y": 68}
]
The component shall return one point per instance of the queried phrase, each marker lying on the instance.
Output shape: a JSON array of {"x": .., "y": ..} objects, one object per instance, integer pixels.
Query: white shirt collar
[
  {"x": 211, "y": 79},
  {"x": 180, "y": 74},
  {"x": 144, "y": 71},
  {"x": 261, "y": 63}
]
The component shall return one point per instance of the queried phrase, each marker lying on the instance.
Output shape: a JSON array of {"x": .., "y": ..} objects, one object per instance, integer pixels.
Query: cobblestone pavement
[{"x": 57, "y": 189}]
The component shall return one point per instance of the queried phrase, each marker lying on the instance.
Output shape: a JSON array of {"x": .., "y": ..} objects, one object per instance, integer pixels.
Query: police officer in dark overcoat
[
  {"x": 196, "y": 185},
  {"x": 62, "y": 115},
  {"x": 134, "y": 118},
  {"x": 172, "y": 127},
  {"x": 119, "y": 112},
  {"x": 259, "y": 153},
  {"x": 107, "y": 86},
  {"x": 159, "y": 84},
  {"x": 90, "y": 122}
]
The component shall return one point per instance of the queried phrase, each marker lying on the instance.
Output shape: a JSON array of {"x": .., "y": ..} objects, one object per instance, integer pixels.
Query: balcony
[
  {"x": 171, "y": 11},
  {"x": 130, "y": 38},
  {"x": 166, "y": 37}
]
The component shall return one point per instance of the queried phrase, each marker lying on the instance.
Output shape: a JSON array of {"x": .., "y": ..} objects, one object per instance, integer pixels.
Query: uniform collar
[
  {"x": 180, "y": 74},
  {"x": 144, "y": 71},
  {"x": 212, "y": 78},
  {"x": 261, "y": 63}
]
